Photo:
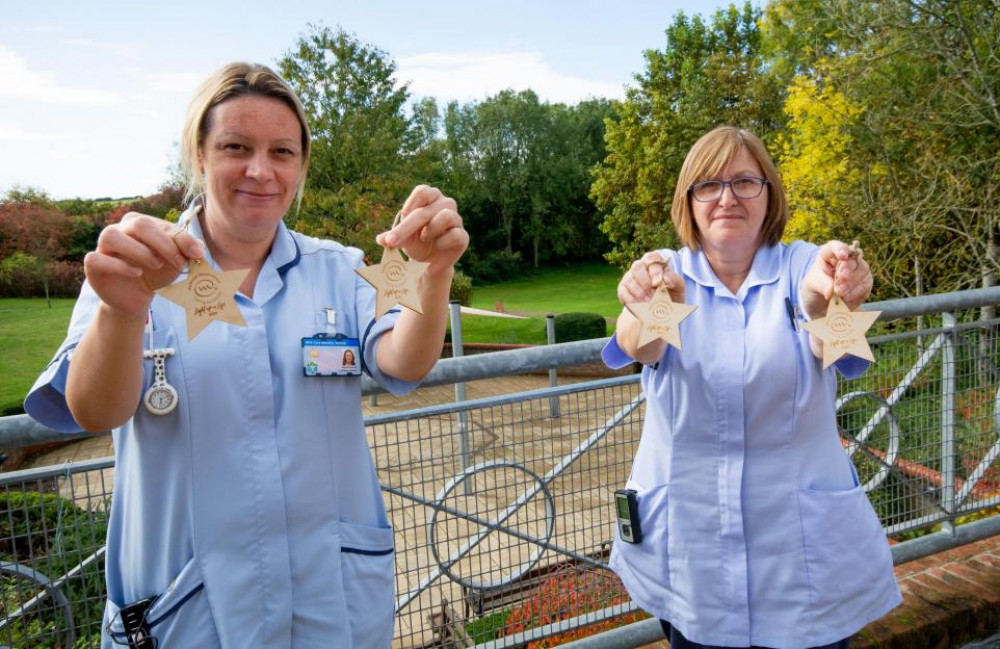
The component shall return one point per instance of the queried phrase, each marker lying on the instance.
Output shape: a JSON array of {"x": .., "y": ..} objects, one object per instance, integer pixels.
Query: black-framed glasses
[{"x": 711, "y": 190}]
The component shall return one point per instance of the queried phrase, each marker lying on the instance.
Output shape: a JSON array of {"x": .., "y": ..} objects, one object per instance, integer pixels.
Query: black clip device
[
  {"x": 136, "y": 627},
  {"x": 627, "y": 515}
]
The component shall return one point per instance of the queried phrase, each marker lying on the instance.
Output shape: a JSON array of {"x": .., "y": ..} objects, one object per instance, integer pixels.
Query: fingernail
[
  {"x": 390, "y": 239},
  {"x": 156, "y": 263}
]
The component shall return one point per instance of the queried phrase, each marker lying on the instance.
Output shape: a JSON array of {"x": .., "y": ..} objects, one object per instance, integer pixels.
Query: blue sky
[{"x": 93, "y": 93}]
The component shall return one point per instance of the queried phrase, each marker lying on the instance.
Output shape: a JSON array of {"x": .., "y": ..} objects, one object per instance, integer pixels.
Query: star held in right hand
[
  {"x": 660, "y": 318},
  {"x": 843, "y": 332},
  {"x": 395, "y": 280}
]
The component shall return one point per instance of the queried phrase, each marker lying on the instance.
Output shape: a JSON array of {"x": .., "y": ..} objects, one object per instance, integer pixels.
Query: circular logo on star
[
  {"x": 205, "y": 288},
  {"x": 395, "y": 272}
]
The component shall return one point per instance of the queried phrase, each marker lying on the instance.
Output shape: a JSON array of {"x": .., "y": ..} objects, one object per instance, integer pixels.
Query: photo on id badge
[{"x": 331, "y": 356}]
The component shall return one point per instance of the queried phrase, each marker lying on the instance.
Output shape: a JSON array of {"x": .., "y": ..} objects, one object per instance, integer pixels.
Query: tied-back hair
[
  {"x": 233, "y": 80},
  {"x": 707, "y": 160}
]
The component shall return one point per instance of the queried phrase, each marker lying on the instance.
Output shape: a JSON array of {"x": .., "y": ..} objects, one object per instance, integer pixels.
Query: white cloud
[
  {"x": 182, "y": 83},
  {"x": 475, "y": 75},
  {"x": 23, "y": 84},
  {"x": 11, "y": 134}
]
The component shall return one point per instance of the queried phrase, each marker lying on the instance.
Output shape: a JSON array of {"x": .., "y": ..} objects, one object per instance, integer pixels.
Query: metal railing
[{"x": 502, "y": 506}]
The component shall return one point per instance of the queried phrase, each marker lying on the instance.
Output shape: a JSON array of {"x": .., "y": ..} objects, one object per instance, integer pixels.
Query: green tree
[
  {"x": 920, "y": 155},
  {"x": 364, "y": 146},
  {"x": 519, "y": 168},
  {"x": 354, "y": 106},
  {"x": 708, "y": 74}
]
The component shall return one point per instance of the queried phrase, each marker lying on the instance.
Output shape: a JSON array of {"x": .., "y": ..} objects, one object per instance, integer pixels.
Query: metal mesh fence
[{"x": 502, "y": 507}]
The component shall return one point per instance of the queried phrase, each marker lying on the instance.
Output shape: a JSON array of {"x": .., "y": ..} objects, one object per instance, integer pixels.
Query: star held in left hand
[
  {"x": 843, "y": 332},
  {"x": 395, "y": 280},
  {"x": 207, "y": 295},
  {"x": 661, "y": 317}
]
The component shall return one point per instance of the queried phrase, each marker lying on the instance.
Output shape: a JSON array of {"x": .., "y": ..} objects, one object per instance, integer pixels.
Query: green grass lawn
[
  {"x": 589, "y": 287},
  {"x": 30, "y": 332}
]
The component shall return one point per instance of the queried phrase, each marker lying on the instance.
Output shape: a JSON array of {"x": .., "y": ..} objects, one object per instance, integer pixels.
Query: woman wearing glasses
[{"x": 755, "y": 531}]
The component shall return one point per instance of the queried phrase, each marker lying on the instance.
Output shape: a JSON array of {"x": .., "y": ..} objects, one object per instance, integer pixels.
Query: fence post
[
  {"x": 948, "y": 420},
  {"x": 550, "y": 337},
  {"x": 463, "y": 416}
]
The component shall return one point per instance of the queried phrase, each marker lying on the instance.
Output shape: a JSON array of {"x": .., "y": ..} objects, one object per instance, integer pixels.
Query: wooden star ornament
[
  {"x": 843, "y": 332},
  {"x": 661, "y": 317},
  {"x": 207, "y": 295},
  {"x": 395, "y": 280}
]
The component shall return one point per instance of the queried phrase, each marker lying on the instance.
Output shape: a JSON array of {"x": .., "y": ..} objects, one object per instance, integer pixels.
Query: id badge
[{"x": 331, "y": 356}]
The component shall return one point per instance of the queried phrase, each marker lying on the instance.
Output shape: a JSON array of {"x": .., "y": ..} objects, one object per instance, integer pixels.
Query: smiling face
[
  {"x": 732, "y": 226},
  {"x": 252, "y": 159}
]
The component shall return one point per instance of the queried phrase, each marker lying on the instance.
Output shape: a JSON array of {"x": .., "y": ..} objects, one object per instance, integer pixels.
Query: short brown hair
[
  {"x": 233, "y": 80},
  {"x": 708, "y": 159}
]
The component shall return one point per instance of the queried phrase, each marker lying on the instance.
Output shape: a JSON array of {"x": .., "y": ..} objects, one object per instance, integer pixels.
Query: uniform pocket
[
  {"x": 180, "y": 616},
  {"x": 366, "y": 556},
  {"x": 648, "y": 561},
  {"x": 848, "y": 561}
]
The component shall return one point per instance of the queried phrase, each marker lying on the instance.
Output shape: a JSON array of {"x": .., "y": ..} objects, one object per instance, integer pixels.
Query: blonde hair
[
  {"x": 707, "y": 159},
  {"x": 233, "y": 80}
]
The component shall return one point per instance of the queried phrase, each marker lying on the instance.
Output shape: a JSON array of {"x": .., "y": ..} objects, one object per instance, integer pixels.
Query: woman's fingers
[{"x": 644, "y": 276}]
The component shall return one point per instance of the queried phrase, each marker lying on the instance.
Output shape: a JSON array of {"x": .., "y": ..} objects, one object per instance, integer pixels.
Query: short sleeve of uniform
[
  {"x": 46, "y": 401},
  {"x": 803, "y": 255},
  {"x": 371, "y": 332}
]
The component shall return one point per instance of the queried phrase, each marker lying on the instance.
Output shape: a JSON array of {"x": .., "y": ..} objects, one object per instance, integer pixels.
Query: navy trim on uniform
[
  {"x": 371, "y": 553},
  {"x": 295, "y": 260},
  {"x": 173, "y": 609}
]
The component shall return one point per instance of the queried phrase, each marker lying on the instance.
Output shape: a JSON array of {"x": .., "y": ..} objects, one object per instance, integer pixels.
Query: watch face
[{"x": 161, "y": 399}]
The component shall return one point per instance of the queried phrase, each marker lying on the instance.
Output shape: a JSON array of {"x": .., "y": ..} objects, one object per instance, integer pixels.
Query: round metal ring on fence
[
  {"x": 892, "y": 450},
  {"x": 475, "y": 538},
  {"x": 28, "y": 591}
]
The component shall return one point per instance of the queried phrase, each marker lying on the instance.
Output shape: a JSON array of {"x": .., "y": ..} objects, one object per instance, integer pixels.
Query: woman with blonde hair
[{"x": 246, "y": 509}]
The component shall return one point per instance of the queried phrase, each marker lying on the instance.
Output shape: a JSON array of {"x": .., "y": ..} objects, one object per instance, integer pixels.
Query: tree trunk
[
  {"x": 920, "y": 291},
  {"x": 987, "y": 336}
]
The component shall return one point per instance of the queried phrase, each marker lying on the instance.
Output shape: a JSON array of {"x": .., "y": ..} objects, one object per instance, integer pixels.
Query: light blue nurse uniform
[
  {"x": 756, "y": 530},
  {"x": 252, "y": 511}
]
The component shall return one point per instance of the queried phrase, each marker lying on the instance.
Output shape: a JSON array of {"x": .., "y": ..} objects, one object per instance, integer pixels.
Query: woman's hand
[
  {"x": 646, "y": 275},
  {"x": 638, "y": 285},
  {"x": 430, "y": 229},
  {"x": 134, "y": 258},
  {"x": 841, "y": 269}
]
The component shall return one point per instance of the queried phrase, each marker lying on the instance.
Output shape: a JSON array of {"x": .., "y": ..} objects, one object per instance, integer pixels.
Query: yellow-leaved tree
[{"x": 815, "y": 161}]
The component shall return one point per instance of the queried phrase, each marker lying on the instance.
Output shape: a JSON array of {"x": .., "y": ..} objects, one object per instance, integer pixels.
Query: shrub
[
  {"x": 461, "y": 288},
  {"x": 580, "y": 326},
  {"x": 568, "y": 594},
  {"x": 22, "y": 275},
  {"x": 65, "y": 278},
  {"x": 53, "y": 536},
  {"x": 496, "y": 267}
]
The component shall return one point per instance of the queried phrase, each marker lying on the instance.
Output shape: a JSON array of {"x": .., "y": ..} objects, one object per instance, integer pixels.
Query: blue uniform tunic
[
  {"x": 756, "y": 530},
  {"x": 252, "y": 511}
]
